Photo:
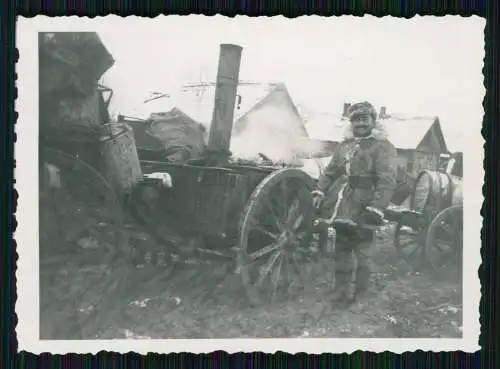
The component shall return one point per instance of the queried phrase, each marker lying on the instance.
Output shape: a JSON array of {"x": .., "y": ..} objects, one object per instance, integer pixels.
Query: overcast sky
[{"x": 424, "y": 66}]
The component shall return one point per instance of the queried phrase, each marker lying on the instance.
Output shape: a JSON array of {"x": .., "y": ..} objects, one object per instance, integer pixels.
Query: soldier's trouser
[{"x": 352, "y": 264}]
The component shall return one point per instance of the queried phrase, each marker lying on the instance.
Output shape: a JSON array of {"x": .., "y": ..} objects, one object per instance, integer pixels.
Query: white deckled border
[{"x": 27, "y": 216}]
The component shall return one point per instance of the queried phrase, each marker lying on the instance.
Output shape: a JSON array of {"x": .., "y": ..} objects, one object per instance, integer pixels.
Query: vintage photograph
[{"x": 254, "y": 178}]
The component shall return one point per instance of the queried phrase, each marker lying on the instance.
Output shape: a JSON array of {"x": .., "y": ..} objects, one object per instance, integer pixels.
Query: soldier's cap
[{"x": 362, "y": 108}]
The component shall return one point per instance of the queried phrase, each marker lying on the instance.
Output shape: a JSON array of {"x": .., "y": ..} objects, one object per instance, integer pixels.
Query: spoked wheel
[
  {"x": 78, "y": 208},
  {"x": 409, "y": 240},
  {"x": 444, "y": 239},
  {"x": 409, "y": 245},
  {"x": 274, "y": 235}
]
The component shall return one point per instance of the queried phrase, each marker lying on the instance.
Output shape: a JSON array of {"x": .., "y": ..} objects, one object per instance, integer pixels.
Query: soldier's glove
[
  {"x": 318, "y": 197},
  {"x": 372, "y": 216}
]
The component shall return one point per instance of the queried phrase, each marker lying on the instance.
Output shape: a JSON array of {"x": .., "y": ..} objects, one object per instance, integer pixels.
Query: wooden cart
[
  {"x": 262, "y": 212},
  {"x": 77, "y": 203},
  {"x": 430, "y": 233}
]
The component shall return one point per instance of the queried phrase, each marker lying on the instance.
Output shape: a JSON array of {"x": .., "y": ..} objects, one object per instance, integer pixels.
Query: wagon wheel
[
  {"x": 444, "y": 238},
  {"x": 79, "y": 211},
  {"x": 409, "y": 245},
  {"x": 273, "y": 235},
  {"x": 409, "y": 239}
]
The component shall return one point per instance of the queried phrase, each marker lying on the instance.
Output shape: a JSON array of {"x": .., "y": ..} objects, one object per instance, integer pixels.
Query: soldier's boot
[
  {"x": 342, "y": 293},
  {"x": 363, "y": 270},
  {"x": 362, "y": 279},
  {"x": 341, "y": 288}
]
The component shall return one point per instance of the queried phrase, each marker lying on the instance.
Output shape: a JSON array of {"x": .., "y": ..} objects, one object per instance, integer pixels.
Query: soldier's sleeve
[
  {"x": 386, "y": 171},
  {"x": 331, "y": 172}
]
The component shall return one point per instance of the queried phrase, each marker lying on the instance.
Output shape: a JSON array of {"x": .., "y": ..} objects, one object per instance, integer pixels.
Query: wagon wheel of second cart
[
  {"x": 79, "y": 212},
  {"x": 444, "y": 239},
  {"x": 274, "y": 234},
  {"x": 409, "y": 239}
]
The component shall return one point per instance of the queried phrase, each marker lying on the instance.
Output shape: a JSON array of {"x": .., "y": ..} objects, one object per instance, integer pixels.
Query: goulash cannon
[{"x": 263, "y": 213}]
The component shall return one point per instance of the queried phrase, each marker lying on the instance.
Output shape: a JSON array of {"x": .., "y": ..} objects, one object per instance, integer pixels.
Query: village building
[
  {"x": 188, "y": 109},
  {"x": 268, "y": 122},
  {"x": 270, "y": 125},
  {"x": 273, "y": 127},
  {"x": 419, "y": 140}
]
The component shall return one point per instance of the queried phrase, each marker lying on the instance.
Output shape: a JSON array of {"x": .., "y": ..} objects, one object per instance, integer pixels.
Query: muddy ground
[{"x": 83, "y": 296}]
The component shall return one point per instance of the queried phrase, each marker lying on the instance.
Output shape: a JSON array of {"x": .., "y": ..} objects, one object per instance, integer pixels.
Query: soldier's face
[{"x": 362, "y": 125}]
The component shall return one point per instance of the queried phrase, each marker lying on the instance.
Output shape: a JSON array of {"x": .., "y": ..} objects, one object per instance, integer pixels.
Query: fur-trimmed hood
[{"x": 379, "y": 132}]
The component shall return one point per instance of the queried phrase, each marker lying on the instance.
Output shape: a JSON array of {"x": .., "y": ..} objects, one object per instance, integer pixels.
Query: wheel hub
[{"x": 288, "y": 240}]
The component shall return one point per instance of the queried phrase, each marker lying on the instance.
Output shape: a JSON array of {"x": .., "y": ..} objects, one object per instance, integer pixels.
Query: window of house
[{"x": 409, "y": 167}]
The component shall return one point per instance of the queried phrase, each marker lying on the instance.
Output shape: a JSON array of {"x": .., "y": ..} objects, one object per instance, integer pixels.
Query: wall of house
[
  {"x": 402, "y": 162},
  {"x": 414, "y": 161},
  {"x": 424, "y": 160}
]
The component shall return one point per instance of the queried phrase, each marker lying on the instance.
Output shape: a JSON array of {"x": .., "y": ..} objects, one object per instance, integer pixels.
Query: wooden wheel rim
[
  {"x": 453, "y": 213},
  {"x": 252, "y": 209},
  {"x": 54, "y": 156},
  {"x": 411, "y": 253}
]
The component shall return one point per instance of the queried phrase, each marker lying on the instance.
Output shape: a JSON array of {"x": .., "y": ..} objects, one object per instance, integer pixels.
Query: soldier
[{"x": 357, "y": 185}]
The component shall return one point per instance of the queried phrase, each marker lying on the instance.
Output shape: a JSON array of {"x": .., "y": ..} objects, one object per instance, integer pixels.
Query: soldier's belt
[{"x": 365, "y": 182}]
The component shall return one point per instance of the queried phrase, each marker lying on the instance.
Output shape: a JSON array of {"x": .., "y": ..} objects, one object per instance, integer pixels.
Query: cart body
[
  {"x": 204, "y": 200},
  {"x": 430, "y": 232}
]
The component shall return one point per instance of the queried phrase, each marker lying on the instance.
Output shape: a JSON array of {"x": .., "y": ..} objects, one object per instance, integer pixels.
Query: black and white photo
[{"x": 254, "y": 184}]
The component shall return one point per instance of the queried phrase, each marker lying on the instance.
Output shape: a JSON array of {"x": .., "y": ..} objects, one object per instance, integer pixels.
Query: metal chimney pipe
[{"x": 219, "y": 140}]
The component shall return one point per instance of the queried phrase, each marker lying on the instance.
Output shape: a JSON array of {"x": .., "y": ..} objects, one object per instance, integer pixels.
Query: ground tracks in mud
[{"x": 172, "y": 296}]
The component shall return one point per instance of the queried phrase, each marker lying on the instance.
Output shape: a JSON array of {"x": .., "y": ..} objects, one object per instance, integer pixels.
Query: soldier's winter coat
[{"x": 362, "y": 172}]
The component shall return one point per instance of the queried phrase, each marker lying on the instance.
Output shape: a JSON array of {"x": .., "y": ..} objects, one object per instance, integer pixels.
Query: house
[
  {"x": 419, "y": 140},
  {"x": 197, "y": 101},
  {"x": 278, "y": 99},
  {"x": 273, "y": 127},
  {"x": 197, "y": 104}
]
